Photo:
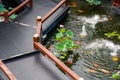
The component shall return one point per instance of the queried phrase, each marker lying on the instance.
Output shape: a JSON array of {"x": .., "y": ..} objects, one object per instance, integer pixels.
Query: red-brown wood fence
[
  {"x": 6, "y": 13},
  {"x": 7, "y": 71},
  {"x": 46, "y": 52}
]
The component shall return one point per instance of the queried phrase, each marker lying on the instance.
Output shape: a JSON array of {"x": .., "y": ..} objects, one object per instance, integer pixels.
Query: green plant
[
  {"x": 112, "y": 35},
  {"x": 65, "y": 42},
  {"x": 13, "y": 16},
  {"x": 2, "y": 9},
  {"x": 64, "y": 38},
  {"x": 94, "y": 2},
  {"x": 116, "y": 76}
]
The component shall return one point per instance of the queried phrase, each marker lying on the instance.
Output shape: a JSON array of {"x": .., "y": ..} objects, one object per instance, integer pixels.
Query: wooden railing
[
  {"x": 6, "y": 13},
  {"x": 46, "y": 52},
  {"x": 7, "y": 71},
  {"x": 116, "y": 3}
]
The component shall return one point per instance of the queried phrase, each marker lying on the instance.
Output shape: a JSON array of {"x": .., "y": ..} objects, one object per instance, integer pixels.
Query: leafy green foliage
[
  {"x": 119, "y": 66},
  {"x": 94, "y": 2},
  {"x": 2, "y": 9},
  {"x": 64, "y": 42},
  {"x": 69, "y": 34},
  {"x": 112, "y": 35},
  {"x": 10, "y": 8},
  {"x": 64, "y": 38},
  {"x": 63, "y": 56},
  {"x": 115, "y": 76},
  {"x": 13, "y": 16}
]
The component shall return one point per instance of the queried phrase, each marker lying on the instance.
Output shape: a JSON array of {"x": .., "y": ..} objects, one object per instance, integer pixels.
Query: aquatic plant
[
  {"x": 94, "y": 2},
  {"x": 65, "y": 42},
  {"x": 112, "y": 35},
  {"x": 64, "y": 38}
]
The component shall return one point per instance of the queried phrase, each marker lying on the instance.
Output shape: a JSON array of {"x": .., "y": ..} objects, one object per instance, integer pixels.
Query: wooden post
[
  {"x": 114, "y": 2},
  {"x": 30, "y": 3},
  {"x": 36, "y": 38},
  {"x": 6, "y": 16},
  {"x": 66, "y": 2},
  {"x": 117, "y": 3},
  {"x": 39, "y": 25},
  {"x": 39, "y": 18}
]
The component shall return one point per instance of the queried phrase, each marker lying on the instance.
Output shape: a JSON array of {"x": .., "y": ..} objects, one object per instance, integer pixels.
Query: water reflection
[
  {"x": 93, "y": 20},
  {"x": 97, "y": 60}
]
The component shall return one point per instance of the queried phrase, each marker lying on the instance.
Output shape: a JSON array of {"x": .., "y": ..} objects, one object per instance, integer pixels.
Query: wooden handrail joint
[
  {"x": 39, "y": 18},
  {"x": 6, "y": 15},
  {"x": 36, "y": 38}
]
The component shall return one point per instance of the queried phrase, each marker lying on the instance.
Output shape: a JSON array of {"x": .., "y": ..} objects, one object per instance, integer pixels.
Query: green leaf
[
  {"x": 55, "y": 53},
  {"x": 10, "y": 8},
  {"x": 69, "y": 33},
  {"x": 94, "y": 2},
  {"x": 119, "y": 66},
  {"x": 13, "y": 16},
  {"x": 65, "y": 41},
  {"x": 2, "y": 9},
  {"x": 64, "y": 54},
  {"x": 70, "y": 44},
  {"x": 62, "y": 30},
  {"x": 115, "y": 76},
  {"x": 61, "y": 47},
  {"x": 59, "y": 35},
  {"x": 75, "y": 46},
  {"x": 118, "y": 36},
  {"x": 62, "y": 57}
]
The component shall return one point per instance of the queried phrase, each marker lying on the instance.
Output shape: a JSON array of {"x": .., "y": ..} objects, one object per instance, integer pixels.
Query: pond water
[{"x": 98, "y": 56}]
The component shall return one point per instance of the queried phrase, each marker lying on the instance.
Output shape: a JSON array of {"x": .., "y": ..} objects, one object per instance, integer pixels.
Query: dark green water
[{"x": 94, "y": 60}]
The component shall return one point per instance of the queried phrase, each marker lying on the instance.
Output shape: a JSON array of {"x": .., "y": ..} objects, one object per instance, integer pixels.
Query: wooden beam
[
  {"x": 39, "y": 46},
  {"x": 6, "y": 16},
  {"x": 18, "y": 8},
  {"x": 54, "y": 10},
  {"x": 7, "y": 71},
  {"x": 57, "y": 61}
]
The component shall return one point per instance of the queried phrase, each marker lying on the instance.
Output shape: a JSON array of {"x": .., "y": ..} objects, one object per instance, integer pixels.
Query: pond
[{"x": 97, "y": 57}]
